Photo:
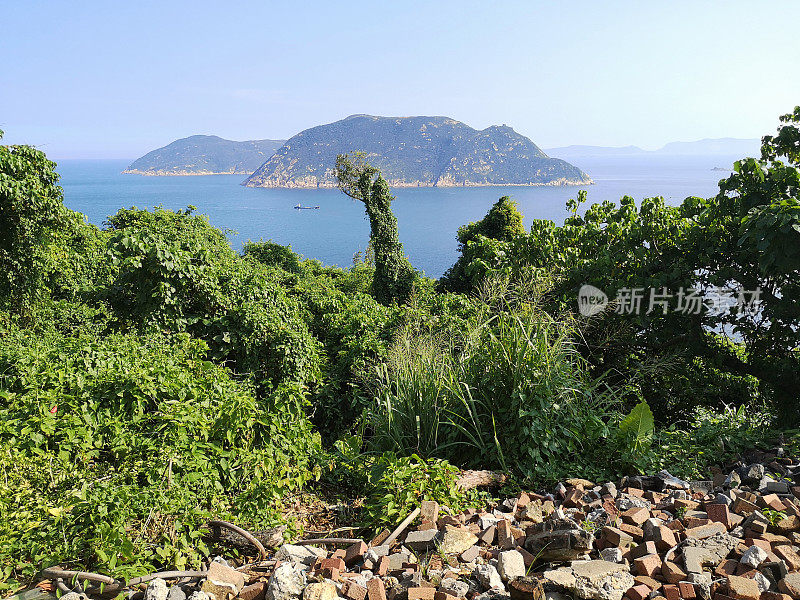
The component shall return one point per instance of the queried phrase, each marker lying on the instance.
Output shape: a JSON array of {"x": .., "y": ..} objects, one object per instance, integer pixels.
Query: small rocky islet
[{"x": 409, "y": 151}]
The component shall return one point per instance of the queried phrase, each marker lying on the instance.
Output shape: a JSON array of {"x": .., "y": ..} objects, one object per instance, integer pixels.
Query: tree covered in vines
[
  {"x": 394, "y": 275},
  {"x": 31, "y": 210}
]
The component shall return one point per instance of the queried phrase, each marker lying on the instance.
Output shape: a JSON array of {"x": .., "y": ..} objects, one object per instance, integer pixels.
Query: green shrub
[
  {"x": 116, "y": 450},
  {"x": 391, "y": 486},
  {"x": 271, "y": 254},
  {"x": 502, "y": 224},
  {"x": 31, "y": 210}
]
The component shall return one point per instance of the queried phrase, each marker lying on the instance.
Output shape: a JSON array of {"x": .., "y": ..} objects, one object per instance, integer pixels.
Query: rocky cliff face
[
  {"x": 415, "y": 152},
  {"x": 205, "y": 155}
]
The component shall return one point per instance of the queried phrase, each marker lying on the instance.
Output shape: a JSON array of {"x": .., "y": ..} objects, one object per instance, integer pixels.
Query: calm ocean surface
[{"x": 427, "y": 217}]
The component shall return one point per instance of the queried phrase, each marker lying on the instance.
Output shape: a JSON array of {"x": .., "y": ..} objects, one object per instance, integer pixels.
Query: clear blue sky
[{"x": 112, "y": 79}]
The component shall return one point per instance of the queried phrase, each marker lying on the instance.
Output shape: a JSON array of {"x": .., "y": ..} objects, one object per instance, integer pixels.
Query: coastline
[
  {"x": 291, "y": 185},
  {"x": 162, "y": 173}
]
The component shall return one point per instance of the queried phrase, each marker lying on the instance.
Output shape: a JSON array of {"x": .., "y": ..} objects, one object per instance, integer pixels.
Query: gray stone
[
  {"x": 320, "y": 591},
  {"x": 695, "y": 558},
  {"x": 287, "y": 582},
  {"x": 510, "y": 564},
  {"x": 764, "y": 584},
  {"x": 702, "y": 582},
  {"x": 702, "y": 485},
  {"x": 377, "y": 551},
  {"x": 487, "y": 520},
  {"x": 733, "y": 480},
  {"x": 753, "y": 473},
  {"x": 671, "y": 482},
  {"x": 493, "y": 594},
  {"x": 592, "y": 579},
  {"x": 422, "y": 540},
  {"x": 711, "y": 550},
  {"x": 611, "y": 555},
  {"x": 199, "y": 595},
  {"x": 608, "y": 489},
  {"x": 305, "y": 555},
  {"x": 408, "y": 580},
  {"x": 454, "y": 587},
  {"x": 558, "y": 540},
  {"x": 456, "y": 540},
  {"x": 397, "y": 559},
  {"x": 176, "y": 593},
  {"x": 778, "y": 487},
  {"x": 488, "y": 577},
  {"x": 75, "y": 596},
  {"x": 753, "y": 556},
  {"x": 156, "y": 590},
  {"x": 626, "y": 502}
]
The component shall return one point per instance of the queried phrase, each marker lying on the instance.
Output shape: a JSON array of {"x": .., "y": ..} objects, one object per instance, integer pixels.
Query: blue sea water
[{"x": 428, "y": 218}]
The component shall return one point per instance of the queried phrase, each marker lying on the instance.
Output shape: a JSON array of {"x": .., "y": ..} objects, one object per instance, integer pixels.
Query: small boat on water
[{"x": 301, "y": 207}]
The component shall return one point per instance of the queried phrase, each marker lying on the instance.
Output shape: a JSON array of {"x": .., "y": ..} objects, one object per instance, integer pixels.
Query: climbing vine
[{"x": 394, "y": 275}]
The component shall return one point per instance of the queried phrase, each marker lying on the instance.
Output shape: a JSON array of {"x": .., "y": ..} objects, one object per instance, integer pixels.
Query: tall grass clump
[{"x": 511, "y": 391}]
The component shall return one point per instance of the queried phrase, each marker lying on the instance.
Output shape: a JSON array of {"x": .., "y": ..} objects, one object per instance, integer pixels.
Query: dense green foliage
[
  {"x": 152, "y": 378},
  {"x": 116, "y": 449},
  {"x": 717, "y": 250}
]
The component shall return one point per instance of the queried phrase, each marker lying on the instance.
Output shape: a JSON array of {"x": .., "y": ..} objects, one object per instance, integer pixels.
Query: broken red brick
[
  {"x": 421, "y": 593},
  {"x": 719, "y": 513},
  {"x": 789, "y": 556},
  {"x": 636, "y": 516},
  {"x": 638, "y": 592},
  {"x": 380, "y": 538},
  {"x": 741, "y": 588},
  {"x": 774, "y": 596},
  {"x": 687, "y": 590},
  {"x": 383, "y": 566},
  {"x": 470, "y": 554},
  {"x": 375, "y": 589},
  {"x": 429, "y": 511},
  {"x": 643, "y": 550},
  {"x": 616, "y": 537},
  {"x": 671, "y": 572},
  {"x": 649, "y": 565},
  {"x": 771, "y": 501},
  {"x": 727, "y": 567},
  {"x": 487, "y": 535},
  {"x": 355, "y": 552},
  {"x": 505, "y": 539},
  {"x": 664, "y": 538},
  {"x": 254, "y": 591},
  {"x": 354, "y": 591},
  {"x": 671, "y": 592},
  {"x": 331, "y": 563},
  {"x": 635, "y": 532}
]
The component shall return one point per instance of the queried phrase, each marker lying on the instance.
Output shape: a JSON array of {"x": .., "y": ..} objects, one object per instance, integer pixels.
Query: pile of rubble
[{"x": 736, "y": 537}]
